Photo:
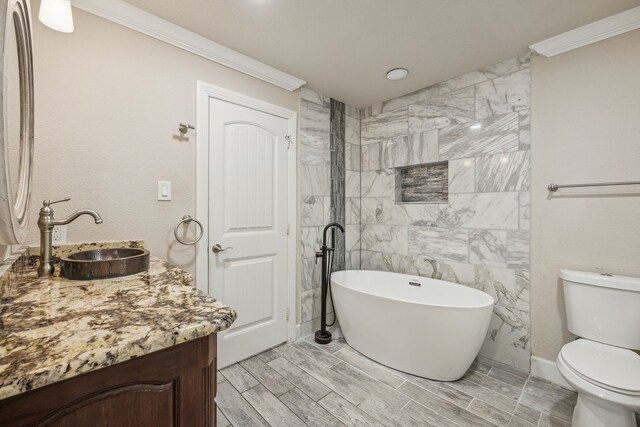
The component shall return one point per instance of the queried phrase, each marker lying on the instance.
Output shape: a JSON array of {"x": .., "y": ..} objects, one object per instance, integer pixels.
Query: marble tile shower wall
[
  {"x": 315, "y": 175},
  {"x": 479, "y": 123}
]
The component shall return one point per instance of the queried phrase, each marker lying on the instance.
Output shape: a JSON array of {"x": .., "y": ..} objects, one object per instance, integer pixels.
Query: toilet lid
[{"x": 613, "y": 368}]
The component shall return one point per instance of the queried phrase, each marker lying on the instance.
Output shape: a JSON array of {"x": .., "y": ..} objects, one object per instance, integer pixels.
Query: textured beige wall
[
  {"x": 585, "y": 119},
  {"x": 108, "y": 104}
]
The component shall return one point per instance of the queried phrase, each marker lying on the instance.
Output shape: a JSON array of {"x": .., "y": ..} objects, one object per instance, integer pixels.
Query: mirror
[{"x": 16, "y": 135}]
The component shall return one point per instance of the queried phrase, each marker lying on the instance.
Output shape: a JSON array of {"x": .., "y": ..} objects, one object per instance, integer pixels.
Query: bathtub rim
[{"x": 490, "y": 303}]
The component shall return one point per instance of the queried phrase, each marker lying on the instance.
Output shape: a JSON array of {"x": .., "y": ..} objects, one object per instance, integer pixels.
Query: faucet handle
[{"x": 47, "y": 203}]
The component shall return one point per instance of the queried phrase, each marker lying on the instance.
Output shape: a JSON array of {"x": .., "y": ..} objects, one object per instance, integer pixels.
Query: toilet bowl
[
  {"x": 604, "y": 311},
  {"x": 607, "y": 380}
]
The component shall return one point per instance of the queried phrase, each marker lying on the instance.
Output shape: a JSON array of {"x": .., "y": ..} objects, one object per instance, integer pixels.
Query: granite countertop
[{"x": 52, "y": 329}]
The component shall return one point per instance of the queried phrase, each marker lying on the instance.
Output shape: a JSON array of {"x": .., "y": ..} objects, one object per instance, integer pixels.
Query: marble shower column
[{"x": 337, "y": 141}]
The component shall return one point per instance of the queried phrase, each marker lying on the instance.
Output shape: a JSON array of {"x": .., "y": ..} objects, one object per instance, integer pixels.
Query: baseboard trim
[
  {"x": 298, "y": 333},
  {"x": 547, "y": 370}
]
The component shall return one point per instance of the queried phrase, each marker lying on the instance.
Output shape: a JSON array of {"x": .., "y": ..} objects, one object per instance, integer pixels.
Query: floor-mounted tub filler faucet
[
  {"x": 46, "y": 222},
  {"x": 326, "y": 253}
]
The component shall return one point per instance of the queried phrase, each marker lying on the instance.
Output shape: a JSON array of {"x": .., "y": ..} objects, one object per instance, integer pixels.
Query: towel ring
[{"x": 188, "y": 218}]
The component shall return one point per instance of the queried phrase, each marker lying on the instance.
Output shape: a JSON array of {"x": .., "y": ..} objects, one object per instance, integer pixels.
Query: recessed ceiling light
[{"x": 397, "y": 74}]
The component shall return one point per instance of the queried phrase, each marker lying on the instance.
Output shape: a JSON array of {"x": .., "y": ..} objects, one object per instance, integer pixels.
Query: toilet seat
[{"x": 612, "y": 368}]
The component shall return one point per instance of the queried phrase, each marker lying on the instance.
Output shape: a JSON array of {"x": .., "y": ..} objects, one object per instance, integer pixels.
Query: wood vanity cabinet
[{"x": 171, "y": 387}]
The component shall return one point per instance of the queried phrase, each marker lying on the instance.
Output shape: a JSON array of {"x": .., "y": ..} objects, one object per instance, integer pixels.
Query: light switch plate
[{"x": 164, "y": 190}]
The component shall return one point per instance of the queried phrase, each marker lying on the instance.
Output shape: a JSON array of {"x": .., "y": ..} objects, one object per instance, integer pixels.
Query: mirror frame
[{"x": 14, "y": 205}]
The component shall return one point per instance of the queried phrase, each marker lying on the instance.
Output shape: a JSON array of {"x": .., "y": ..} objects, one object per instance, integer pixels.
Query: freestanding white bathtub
[{"x": 434, "y": 330}]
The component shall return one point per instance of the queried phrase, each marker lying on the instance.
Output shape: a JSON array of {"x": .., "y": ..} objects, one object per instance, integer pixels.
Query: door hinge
[
  {"x": 287, "y": 314},
  {"x": 289, "y": 141},
  {"x": 288, "y": 226}
]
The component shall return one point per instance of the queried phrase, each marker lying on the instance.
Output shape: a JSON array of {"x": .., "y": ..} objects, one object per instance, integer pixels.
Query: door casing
[{"x": 205, "y": 91}]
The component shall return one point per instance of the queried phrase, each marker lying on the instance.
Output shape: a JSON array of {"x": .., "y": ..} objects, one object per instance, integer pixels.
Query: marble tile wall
[
  {"x": 479, "y": 123},
  {"x": 316, "y": 193}
]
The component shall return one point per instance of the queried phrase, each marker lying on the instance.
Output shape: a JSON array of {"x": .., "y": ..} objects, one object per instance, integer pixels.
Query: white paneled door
[{"x": 248, "y": 226}]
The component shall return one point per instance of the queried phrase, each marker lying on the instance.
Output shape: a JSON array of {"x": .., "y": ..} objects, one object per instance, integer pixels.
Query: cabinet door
[
  {"x": 138, "y": 405},
  {"x": 171, "y": 387}
]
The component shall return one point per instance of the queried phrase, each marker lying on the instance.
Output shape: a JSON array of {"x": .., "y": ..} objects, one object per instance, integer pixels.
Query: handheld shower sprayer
[{"x": 326, "y": 253}]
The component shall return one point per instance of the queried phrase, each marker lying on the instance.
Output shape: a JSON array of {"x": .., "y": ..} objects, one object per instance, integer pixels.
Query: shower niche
[{"x": 424, "y": 183}]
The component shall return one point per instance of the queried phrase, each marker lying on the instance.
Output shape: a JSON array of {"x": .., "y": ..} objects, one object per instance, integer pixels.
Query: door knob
[{"x": 217, "y": 248}]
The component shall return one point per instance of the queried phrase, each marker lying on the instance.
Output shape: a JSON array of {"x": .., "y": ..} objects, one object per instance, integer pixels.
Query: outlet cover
[{"x": 59, "y": 235}]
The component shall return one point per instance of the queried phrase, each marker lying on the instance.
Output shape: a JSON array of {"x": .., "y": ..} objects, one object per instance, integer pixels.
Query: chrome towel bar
[{"x": 554, "y": 187}]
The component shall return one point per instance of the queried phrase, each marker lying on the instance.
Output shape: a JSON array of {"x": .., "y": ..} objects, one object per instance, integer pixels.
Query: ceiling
[{"x": 343, "y": 48}]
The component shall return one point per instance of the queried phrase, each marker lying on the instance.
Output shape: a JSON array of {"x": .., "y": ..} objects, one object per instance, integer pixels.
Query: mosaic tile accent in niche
[{"x": 427, "y": 183}]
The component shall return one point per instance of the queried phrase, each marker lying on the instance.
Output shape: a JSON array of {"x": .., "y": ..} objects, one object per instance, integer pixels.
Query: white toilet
[{"x": 604, "y": 311}]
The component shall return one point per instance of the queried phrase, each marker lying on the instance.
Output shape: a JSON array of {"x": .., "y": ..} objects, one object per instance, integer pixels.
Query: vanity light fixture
[
  {"x": 56, "y": 14},
  {"x": 397, "y": 74}
]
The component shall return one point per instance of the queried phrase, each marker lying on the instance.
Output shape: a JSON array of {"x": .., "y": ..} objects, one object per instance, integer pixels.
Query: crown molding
[
  {"x": 591, "y": 33},
  {"x": 129, "y": 16}
]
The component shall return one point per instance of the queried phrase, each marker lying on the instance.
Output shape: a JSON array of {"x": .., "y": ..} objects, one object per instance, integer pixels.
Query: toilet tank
[{"x": 603, "y": 308}]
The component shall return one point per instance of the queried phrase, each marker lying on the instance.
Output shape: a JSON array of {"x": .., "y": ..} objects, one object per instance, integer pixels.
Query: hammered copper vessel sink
[{"x": 104, "y": 263}]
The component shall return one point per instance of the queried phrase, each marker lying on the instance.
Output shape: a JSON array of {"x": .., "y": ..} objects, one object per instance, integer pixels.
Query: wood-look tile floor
[{"x": 304, "y": 384}]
